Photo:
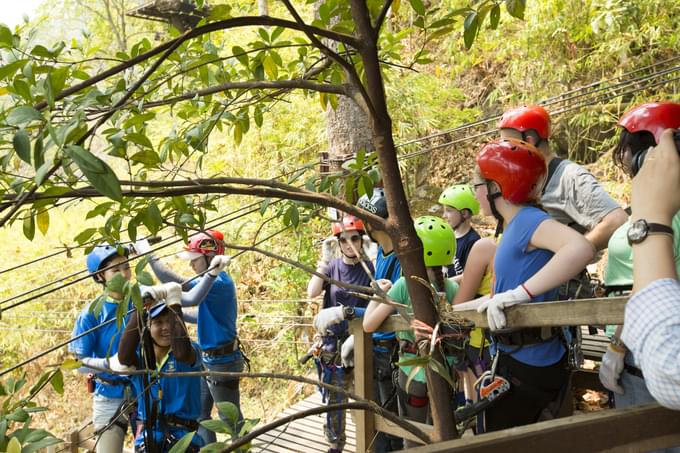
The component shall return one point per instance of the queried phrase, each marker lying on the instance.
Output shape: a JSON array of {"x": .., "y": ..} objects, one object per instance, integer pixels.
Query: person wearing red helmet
[
  {"x": 571, "y": 194},
  {"x": 339, "y": 306},
  {"x": 641, "y": 128},
  {"x": 535, "y": 255},
  {"x": 214, "y": 293}
]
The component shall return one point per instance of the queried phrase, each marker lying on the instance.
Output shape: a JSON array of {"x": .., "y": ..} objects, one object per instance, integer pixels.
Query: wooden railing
[{"x": 632, "y": 429}]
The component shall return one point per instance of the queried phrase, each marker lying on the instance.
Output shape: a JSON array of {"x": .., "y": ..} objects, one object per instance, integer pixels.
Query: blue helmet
[
  {"x": 157, "y": 309},
  {"x": 99, "y": 255}
]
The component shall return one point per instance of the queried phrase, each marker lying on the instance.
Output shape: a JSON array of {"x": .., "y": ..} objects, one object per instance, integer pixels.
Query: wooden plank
[
  {"x": 388, "y": 427},
  {"x": 606, "y": 310},
  {"x": 633, "y": 429},
  {"x": 363, "y": 384}
]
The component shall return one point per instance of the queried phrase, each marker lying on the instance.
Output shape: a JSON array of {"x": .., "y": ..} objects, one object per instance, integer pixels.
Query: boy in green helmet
[{"x": 460, "y": 205}]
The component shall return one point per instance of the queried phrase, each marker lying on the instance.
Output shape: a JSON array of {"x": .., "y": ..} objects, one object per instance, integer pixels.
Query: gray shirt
[{"x": 574, "y": 196}]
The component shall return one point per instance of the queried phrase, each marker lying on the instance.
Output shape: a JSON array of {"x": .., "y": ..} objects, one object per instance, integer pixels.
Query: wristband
[{"x": 527, "y": 290}]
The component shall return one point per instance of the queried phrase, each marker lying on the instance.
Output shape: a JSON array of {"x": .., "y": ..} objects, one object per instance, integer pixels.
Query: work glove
[
  {"x": 218, "y": 264},
  {"x": 142, "y": 246},
  {"x": 494, "y": 306},
  {"x": 347, "y": 352},
  {"x": 174, "y": 294},
  {"x": 328, "y": 317},
  {"x": 328, "y": 249},
  {"x": 156, "y": 292},
  {"x": 115, "y": 365},
  {"x": 610, "y": 370}
]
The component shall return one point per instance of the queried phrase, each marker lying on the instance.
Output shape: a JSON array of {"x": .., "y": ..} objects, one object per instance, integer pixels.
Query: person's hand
[
  {"x": 156, "y": 292},
  {"x": 656, "y": 186},
  {"x": 328, "y": 317},
  {"x": 347, "y": 352},
  {"x": 494, "y": 307},
  {"x": 142, "y": 246},
  {"x": 218, "y": 264},
  {"x": 610, "y": 370},
  {"x": 115, "y": 365},
  {"x": 328, "y": 249},
  {"x": 384, "y": 284},
  {"x": 174, "y": 294}
]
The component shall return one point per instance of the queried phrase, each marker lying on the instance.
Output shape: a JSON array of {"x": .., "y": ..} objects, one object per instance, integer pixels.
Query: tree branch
[
  {"x": 263, "y": 84},
  {"x": 381, "y": 17},
  {"x": 208, "y": 28}
]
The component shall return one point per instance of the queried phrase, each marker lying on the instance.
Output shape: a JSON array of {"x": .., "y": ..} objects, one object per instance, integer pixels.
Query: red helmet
[
  {"x": 349, "y": 223},
  {"x": 209, "y": 243},
  {"x": 653, "y": 118},
  {"x": 525, "y": 118},
  {"x": 518, "y": 168}
]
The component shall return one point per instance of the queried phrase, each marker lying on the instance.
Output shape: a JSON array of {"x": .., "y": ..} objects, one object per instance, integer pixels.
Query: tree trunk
[{"x": 400, "y": 227}]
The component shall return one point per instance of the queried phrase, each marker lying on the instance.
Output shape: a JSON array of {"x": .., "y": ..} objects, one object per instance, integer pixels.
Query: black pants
[{"x": 532, "y": 389}]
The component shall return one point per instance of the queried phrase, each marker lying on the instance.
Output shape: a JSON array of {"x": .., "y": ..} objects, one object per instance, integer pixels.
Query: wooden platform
[{"x": 304, "y": 435}]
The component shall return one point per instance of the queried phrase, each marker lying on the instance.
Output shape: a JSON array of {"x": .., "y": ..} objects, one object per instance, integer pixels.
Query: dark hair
[{"x": 636, "y": 141}]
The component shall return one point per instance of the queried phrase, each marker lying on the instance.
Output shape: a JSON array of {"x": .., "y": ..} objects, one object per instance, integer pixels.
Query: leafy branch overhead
[{"x": 71, "y": 126}]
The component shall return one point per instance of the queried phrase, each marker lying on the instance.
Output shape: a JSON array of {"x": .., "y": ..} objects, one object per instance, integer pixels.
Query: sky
[{"x": 13, "y": 11}]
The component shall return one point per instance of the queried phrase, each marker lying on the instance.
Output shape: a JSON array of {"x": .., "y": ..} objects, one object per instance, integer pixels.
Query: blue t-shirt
[
  {"x": 463, "y": 246},
  {"x": 179, "y": 397},
  {"x": 100, "y": 344},
  {"x": 216, "y": 324},
  {"x": 353, "y": 274},
  {"x": 514, "y": 265},
  {"x": 383, "y": 263}
]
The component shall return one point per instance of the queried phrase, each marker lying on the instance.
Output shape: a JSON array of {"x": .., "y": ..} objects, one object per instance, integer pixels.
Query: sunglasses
[{"x": 353, "y": 238}]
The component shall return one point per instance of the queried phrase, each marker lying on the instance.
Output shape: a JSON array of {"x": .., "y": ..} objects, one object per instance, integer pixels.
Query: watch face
[{"x": 637, "y": 231}]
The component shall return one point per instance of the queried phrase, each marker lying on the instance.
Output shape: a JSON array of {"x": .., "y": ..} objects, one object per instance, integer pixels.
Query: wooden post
[
  {"x": 363, "y": 385},
  {"x": 74, "y": 440}
]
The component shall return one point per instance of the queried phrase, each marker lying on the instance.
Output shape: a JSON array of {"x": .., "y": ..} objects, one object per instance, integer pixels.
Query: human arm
[
  {"x": 194, "y": 296},
  {"x": 190, "y": 315},
  {"x": 129, "y": 340},
  {"x": 600, "y": 234},
  {"x": 655, "y": 199},
  {"x": 478, "y": 262},
  {"x": 377, "y": 312}
]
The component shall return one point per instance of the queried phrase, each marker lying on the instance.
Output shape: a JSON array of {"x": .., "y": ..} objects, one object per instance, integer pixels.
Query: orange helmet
[
  {"x": 526, "y": 118},
  {"x": 349, "y": 223},
  {"x": 516, "y": 166}
]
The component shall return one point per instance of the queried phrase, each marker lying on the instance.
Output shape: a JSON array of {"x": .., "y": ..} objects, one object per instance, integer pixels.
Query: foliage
[
  {"x": 231, "y": 426},
  {"x": 16, "y": 434}
]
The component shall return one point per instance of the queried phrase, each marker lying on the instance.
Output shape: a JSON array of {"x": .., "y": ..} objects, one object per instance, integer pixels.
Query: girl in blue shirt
[{"x": 535, "y": 255}]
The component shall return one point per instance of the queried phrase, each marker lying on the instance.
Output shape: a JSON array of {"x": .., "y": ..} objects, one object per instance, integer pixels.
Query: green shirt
[
  {"x": 399, "y": 293},
  {"x": 619, "y": 269}
]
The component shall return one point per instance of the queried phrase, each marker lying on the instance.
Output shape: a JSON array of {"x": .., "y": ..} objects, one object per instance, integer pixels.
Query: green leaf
[
  {"x": 147, "y": 157},
  {"x": 38, "y": 157},
  {"x": 136, "y": 120},
  {"x": 219, "y": 12},
  {"x": 22, "y": 145},
  {"x": 217, "y": 426},
  {"x": 23, "y": 115},
  {"x": 97, "y": 172},
  {"x": 495, "y": 17},
  {"x": 270, "y": 67},
  {"x": 136, "y": 297},
  {"x": 264, "y": 205},
  {"x": 84, "y": 235},
  {"x": 415, "y": 361},
  {"x": 412, "y": 375},
  {"x": 14, "y": 446},
  {"x": 442, "y": 371},
  {"x": 365, "y": 186},
  {"x": 238, "y": 133},
  {"x": 101, "y": 209},
  {"x": 516, "y": 8},
  {"x": 29, "y": 226},
  {"x": 257, "y": 114},
  {"x": 19, "y": 415},
  {"x": 145, "y": 278},
  {"x": 70, "y": 364},
  {"x": 43, "y": 221},
  {"x": 139, "y": 139},
  {"x": 228, "y": 410},
  {"x": 418, "y": 6},
  {"x": 57, "y": 381},
  {"x": 240, "y": 55},
  {"x": 116, "y": 284},
  {"x": 183, "y": 443},
  {"x": 41, "y": 381},
  {"x": 8, "y": 70},
  {"x": 44, "y": 443},
  {"x": 5, "y": 36},
  {"x": 471, "y": 26}
]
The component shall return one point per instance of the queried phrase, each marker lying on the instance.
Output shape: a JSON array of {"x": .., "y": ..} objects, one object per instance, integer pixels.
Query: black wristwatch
[
  {"x": 640, "y": 229},
  {"x": 349, "y": 312}
]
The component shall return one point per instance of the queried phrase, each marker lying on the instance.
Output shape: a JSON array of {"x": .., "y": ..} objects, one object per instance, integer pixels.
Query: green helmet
[
  {"x": 439, "y": 241},
  {"x": 460, "y": 197}
]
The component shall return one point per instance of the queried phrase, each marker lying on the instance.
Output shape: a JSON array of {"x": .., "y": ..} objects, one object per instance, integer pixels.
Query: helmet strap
[{"x": 491, "y": 197}]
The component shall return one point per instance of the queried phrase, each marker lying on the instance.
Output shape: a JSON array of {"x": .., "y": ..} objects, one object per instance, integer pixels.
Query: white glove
[
  {"x": 347, "y": 352},
  {"x": 328, "y": 317},
  {"x": 156, "y": 292},
  {"x": 218, "y": 264},
  {"x": 610, "y": 370},
  {"x": 328, "y": 249},
  {"x": 142, "y": 246},
  {"x": 494, "y": 307},
  {"x": 115, "y": 365},
  {"x": 174, "y": 293}
]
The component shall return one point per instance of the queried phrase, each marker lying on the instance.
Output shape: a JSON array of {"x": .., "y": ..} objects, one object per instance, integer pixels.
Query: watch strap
[{"x": 659, "y": 229}]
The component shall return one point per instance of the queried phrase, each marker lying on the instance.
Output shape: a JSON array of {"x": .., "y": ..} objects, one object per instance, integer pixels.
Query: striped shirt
[{"x": 652, "y": 333}]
